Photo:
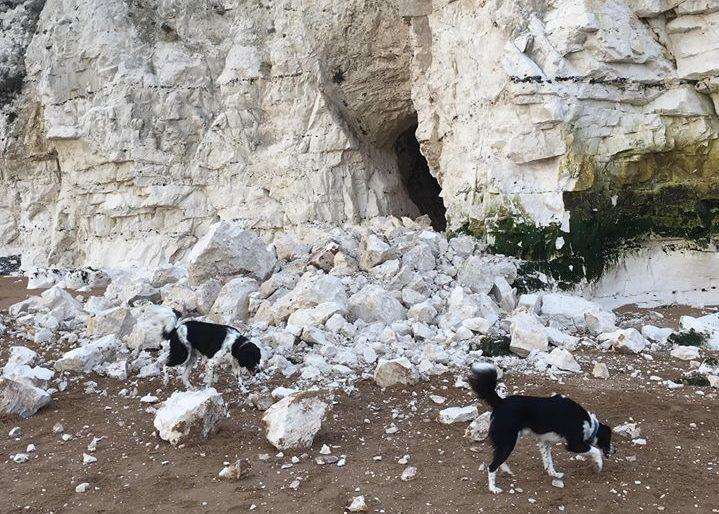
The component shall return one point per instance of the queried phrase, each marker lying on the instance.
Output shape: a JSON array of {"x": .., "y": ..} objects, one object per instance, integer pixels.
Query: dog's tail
[{"x": 484, "y": 383}]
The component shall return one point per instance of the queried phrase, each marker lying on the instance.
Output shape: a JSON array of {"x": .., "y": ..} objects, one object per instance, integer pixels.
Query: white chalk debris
[
  {"x": 190, "y": 414},
  {"x": 293, "y": 422}
]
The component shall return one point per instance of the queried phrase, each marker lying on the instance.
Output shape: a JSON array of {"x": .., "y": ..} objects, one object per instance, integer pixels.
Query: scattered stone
[
  {"x": 373, "y": 303},
  {"x": 20, "y": 458},
  {"x": 186, "y": 413},
  {"x": 237, "y": 471},
  {"x": 81, "y": 488},
  {"x": 409, "y": 473},
  {"x": 600, "y": 371},
  {"x": 294, "y": 421},
  {"x": 625, "y": 341},
  {"x": 457, "y": 414},
  {"x": 630, "y": 430},
  {"x": 357, "y": 504},
  {"x": 373, "y": 251},
  {"x": 478, "y": 429},
  {"x": 15, "y": 433},
  {"x": 88, "y": 459},
  {"x": 439, "y": 400}
]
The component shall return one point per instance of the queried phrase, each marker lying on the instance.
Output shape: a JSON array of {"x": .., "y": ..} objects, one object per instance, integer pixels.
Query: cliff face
[{"x": 139, "y": 123}]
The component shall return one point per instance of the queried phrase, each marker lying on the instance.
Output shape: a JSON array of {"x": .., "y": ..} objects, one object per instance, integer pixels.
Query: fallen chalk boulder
[{"x": 190, "y": 414}]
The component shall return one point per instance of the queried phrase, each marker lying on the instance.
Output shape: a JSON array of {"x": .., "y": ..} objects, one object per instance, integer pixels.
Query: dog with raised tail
[
  {"x": 551, "y": 420},
  {"x": 220, "y": 344}
]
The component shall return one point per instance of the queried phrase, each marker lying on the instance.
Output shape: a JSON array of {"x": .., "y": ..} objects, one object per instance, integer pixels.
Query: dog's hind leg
[
  {"x": 546, "y": 451},
  {"x": 188, "y": 369},
  {"x": 501, "y": 454},
  {"x": 210, "y": 372}
]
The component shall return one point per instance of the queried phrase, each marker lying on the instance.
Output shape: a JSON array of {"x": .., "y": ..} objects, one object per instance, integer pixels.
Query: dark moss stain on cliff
[
  {"x": 677, "y": 197},
  {"x": 12, "y": 64}
]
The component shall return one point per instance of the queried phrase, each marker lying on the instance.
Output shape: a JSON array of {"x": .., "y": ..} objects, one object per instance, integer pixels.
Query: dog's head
[
  {"x": 248, "y": 355},
  {"x": 604, "y": 440}
]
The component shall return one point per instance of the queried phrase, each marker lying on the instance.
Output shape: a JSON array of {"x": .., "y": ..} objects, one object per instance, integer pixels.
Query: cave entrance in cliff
[{"x": 422, "y": 188}]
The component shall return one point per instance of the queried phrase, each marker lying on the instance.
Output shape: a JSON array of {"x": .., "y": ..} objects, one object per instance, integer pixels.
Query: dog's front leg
[
  {"x": 596, "y": 455},
  {"x": 546, "y": 451}
]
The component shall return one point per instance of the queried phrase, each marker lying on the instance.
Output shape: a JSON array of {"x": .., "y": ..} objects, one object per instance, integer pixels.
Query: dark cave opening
[{"x": 422, "y": 188}]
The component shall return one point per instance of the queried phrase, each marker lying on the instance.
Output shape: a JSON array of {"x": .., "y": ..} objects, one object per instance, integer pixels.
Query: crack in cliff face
[{"x": 422, "y": 188}]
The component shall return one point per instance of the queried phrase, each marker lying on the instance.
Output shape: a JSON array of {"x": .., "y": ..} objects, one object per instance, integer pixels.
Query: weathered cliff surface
[{"x": 139, "y": 123}]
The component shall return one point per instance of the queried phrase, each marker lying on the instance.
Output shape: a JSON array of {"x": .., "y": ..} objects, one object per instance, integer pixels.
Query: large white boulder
[
  {"x": 21, "y": 355},
  {"x": 61, "y": 304},
  {"x": 527, "y": 333},
  {"x": 315, "y": 316},
  {"x": 685, "y": 353},
  {"x": 232, "y": 304},
  {"x": 626, "y": 341},
  {"x": 21, "y": 398},
  {"x": 480, "y": 272},
  {"x": 293, "y": 422},
  {"x": 656, "y": 334},
  {"x": 562, "y": 359},
  {"x": 396, "y": 371},
  {"x": 228, "y": 249},
  {"x": 187, "y": 298},
  {"x": 150, "y": 322},
  {"x": 568, "y": 311},
  {"x": 707, "y": 325},
  {"x": 117, "y": 321},
  {"x": 311, "y": 290},
  {"x": 189, "y": 415},
  {"x": 86, "y": 357},
  {"x": 373, "y": 303},
  {"x": 373, "y": 251}
]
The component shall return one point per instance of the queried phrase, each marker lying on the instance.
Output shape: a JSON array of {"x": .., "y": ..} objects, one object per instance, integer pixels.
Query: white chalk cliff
[{"x": 128, "y": 127}]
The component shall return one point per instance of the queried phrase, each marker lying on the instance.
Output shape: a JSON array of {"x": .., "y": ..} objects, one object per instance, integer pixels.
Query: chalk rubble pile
[{"x": 390, "y": 300}]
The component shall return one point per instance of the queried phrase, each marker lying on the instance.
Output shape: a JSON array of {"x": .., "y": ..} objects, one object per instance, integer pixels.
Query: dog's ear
[{"x": 604, "y": 439}]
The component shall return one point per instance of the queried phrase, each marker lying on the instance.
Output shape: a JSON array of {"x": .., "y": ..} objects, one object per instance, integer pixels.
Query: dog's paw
[
  {"x": 599, "y": 467},
  {"x": 494, "y": 489},
  {"x": 556, "y": 474}
]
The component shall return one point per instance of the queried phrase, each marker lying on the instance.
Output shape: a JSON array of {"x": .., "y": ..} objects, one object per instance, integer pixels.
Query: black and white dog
[
  {"x": 550, "y": 420},
  {"x": 220, "y": 344}
]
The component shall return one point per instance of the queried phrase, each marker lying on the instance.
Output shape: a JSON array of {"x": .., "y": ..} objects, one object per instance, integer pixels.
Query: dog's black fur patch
[
  {"x": 246, "y": 353},
  {"x": 178, "y": 351},
  {"x": 206, "y": 338}
]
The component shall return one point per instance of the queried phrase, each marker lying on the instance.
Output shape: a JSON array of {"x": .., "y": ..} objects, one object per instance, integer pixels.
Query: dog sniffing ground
[{"x": 677, "y": 470}]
